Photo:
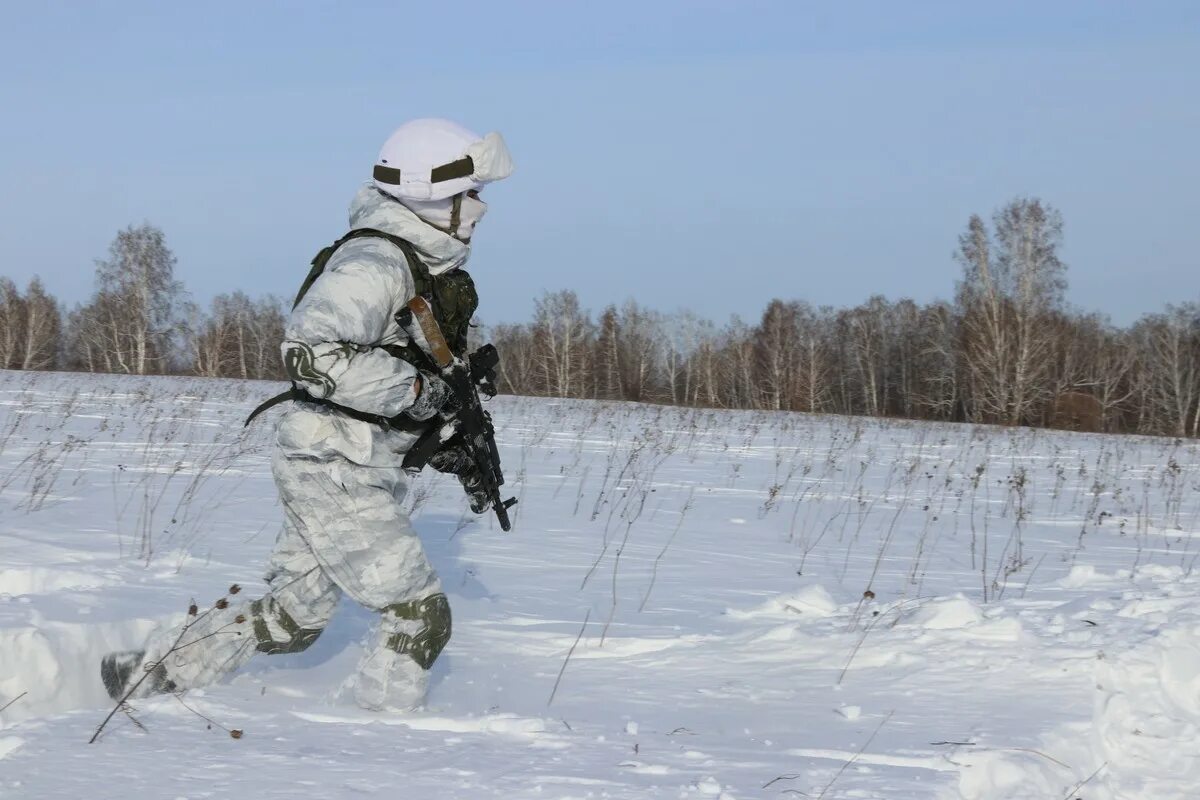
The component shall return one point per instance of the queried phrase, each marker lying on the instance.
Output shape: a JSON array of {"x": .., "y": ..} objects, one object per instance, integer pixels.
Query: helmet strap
[{"x": 456, "y": 214}]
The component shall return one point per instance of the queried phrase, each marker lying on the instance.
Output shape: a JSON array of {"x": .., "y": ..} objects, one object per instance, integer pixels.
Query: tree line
[
  {"x": 1007, "y": 349},
  {"x": 139, "y": 322}
]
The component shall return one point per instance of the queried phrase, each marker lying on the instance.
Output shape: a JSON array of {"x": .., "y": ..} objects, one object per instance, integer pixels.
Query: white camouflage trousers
[{"x": 344, "y": 531}]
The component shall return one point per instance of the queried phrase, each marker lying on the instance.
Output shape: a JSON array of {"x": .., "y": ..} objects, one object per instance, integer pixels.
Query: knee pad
[
  {"x": 266, "y": 613},
  {"x": 424, "y": 646}
]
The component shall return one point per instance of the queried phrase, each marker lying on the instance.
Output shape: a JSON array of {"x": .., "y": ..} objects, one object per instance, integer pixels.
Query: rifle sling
[
  {"x": 413, "y": 355},
  {"x": 400, "y": 422},
  {"x": 269, "y": 404}
]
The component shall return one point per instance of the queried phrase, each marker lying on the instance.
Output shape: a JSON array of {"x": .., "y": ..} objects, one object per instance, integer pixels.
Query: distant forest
[{"x": 1007, "y": 349}]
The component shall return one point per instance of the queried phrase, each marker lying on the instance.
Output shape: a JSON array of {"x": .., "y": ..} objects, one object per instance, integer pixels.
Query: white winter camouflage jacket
[{"x": 346, "y": 316}]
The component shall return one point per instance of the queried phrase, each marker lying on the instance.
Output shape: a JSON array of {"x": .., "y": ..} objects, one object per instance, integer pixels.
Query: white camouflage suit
[{"x": 340, "y": 481}]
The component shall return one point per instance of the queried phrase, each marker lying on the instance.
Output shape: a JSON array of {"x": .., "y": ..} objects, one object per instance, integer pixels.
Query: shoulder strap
[{"x": 416, "y": 267}]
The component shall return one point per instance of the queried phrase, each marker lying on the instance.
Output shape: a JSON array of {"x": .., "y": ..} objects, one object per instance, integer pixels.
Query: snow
[
  {"x": 813, "y": 601},
  {"x": 1143, "y": 737},
  {"x": 775, "y": 604}
]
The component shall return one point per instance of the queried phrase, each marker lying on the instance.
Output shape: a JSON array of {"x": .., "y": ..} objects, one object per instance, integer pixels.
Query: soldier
[{"x": 364, "y": 391}]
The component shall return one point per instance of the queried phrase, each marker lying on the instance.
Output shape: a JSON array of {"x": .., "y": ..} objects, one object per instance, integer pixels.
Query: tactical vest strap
[{"x": 416, "y": 267}]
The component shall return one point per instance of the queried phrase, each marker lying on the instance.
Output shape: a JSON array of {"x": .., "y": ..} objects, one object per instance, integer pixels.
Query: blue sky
[{"x": 709, "y": 155}]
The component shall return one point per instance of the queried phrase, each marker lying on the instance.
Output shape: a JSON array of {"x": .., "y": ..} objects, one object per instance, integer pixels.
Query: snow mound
[
  {"x": 959, "y": 617},
  {"x": 948, "y": 613},
  {"x": 1017, "y": 773},
  {"x": 1147, "y": 718},
  {"x": 1081, "y": 576},
  {"x": 56, "y": 664},
  {"x": 1087, "y": 576},
  {"x": 813, "y": 602},
  {"x": 1143, "y": 740}
]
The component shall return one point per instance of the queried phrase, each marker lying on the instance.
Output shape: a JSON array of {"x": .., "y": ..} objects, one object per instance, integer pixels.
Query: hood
[{"x": 440, "y": 251}]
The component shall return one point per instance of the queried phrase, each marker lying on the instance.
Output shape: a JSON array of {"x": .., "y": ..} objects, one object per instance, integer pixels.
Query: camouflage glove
[
  {"x": 433, "y": 397},
  {"x": 472, "y": 482},
  {"x": 454, "y": 460},
  {"x": 451, "y": 459}
]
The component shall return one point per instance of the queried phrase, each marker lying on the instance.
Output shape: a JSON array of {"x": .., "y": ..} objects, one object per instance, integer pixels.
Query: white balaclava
[{"x": 457, "y": 215}]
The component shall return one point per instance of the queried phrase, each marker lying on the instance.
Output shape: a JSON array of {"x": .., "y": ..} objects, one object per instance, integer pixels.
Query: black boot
[{"x": 117, "y": 670}]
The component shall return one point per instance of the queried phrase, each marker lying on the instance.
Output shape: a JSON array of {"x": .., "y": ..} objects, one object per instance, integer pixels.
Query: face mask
[
  {"x": 456, "y": 215},
  {"x": 471, "y": 210}
]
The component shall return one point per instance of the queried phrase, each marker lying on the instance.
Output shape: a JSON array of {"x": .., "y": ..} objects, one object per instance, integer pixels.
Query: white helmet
[{"x": 433, "y": 159}]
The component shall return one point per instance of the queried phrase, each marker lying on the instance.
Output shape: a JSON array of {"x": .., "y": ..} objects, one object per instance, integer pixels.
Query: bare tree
[
  {"x": 518, "y": 372},
  {"x": 131, "y": 321},
  {"x": 11, "y": 314},
  {"x": 1028, "y": 235},
  {"x": 638, "y": 335},
  {"x": 775, "y": 346},
  {"x": 206, "y": 341},
  {"x": 607, "y": 359},
  {"x": 939, "y": 393},
  {"x": 865, "y": 339},
  {"x": 903, "y": 346},
  {"x": 563, "y": 336},
  {"x": 986, "y": 342},
  {"x": 41, "y": 330},
  {"x": 239, "y": 338},
  {"x": 1171, "y": 348},
  {"x": 738, "y": 377},
  {"x": 1007, "y": 292},
  {"x": 92, "y": 345},
  {"x": 679, "y": 336},
  {"x": 1112, "y": 375},
  {"x": 814, "y": 359}
]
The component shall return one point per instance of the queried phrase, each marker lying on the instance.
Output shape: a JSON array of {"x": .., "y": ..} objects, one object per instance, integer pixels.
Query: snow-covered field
[{"x": 692, "y": 604}]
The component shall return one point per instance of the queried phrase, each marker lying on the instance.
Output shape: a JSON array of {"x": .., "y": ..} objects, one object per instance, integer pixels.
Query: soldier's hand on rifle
[
  {"x": 472, "y": 482},
  {"x": 433, "y": 396},
  {"x": 454, "y": 460}
]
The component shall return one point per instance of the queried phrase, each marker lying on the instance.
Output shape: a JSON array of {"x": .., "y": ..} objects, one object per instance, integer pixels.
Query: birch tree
[
  {"x": 1171, "y": 348},
  {"x": 563, "y": 337},
  {"x": 775, "y": 346},
  {"x": 517, "y": 373},
  {"x": 41, "y": 328},
  {"x": 11, "y": 312},
  {"x": 132, "y": 319},
  {"x": 940, "y": 392},
  {"x": 986, "y": 346},
  {"x": 1009, "y": 288},
  {"x": 1028, "y": 235},
  {"x": 240, "y": 338}
]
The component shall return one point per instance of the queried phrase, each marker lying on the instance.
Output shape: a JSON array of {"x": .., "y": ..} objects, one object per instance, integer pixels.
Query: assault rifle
[{"x": 474, "y": 425}]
